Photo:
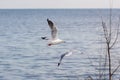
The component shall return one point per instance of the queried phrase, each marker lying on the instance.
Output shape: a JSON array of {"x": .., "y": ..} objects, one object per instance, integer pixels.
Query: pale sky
[{"x": 58, "y": 4}]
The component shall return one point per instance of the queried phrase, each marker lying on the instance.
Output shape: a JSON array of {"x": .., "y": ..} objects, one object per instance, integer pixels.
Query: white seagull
[
  {"x": 69, "y": 53},
  {"x": 54, "y": 33}
]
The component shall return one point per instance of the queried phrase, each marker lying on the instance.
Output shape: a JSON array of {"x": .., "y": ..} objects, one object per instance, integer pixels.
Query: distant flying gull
[
  {"x": 69, "y": 53},
  {"x": 54, "y": 40}
]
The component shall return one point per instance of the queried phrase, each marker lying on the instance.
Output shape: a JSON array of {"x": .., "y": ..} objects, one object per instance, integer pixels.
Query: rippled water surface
[{"x": 24, "y": 56}]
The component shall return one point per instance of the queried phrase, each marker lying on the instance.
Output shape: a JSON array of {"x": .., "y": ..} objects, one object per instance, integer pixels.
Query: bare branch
[
  {"x": 116, "y": 35},
  {"x": 115, "y": 39},
  {"x": 115, "y": 69},
  {"x": 105, "y": 30}
]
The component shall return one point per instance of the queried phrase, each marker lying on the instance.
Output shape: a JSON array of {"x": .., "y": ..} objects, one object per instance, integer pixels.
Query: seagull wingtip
[
  {"x": 58, "y": 64},
  {"x": 47, "y": 19}
]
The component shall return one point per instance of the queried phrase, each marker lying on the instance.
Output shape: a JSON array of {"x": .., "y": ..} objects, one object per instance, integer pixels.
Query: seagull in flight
[
  {"x": 54, "y": 33},
  {"x": 69, "y": 53}
]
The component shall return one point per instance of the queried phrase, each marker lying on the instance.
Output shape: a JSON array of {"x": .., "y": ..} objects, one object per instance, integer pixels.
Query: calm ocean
[{"x": 24, "y": 56}]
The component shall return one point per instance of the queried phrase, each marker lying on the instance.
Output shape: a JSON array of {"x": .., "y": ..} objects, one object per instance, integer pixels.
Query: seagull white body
[
  {"x": 54, "y": 33},
  {"x": 55, "y": 41}
]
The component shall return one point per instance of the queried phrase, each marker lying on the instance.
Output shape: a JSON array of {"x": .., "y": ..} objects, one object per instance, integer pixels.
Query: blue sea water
[{"x": 25, "y": 56}]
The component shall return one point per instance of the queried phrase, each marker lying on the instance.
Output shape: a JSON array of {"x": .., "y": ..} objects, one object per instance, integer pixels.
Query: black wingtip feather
[
  {"x": 47, "y": 19},
  {"x": 50, "y": 22},
  {"x": 58, "y": 64},
  {"x": 43, "y": 37}
]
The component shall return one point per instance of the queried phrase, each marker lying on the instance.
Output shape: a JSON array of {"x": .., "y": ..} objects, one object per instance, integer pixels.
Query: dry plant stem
[
  {"x": 108, "y": 40},
  {"x": 116, "y": 35},
  {"x": 115, "y": 69},
  {"x": 109, "y": 58},
  {"x": 109, "y": 45}
]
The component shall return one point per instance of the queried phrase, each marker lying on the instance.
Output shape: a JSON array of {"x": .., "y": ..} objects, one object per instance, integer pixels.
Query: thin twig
[
  {"x": 115, "y": 69},
  {"x": 115, "y": 39},
  {"x": 116, "y": 35},
  {"x": 105, "y": 31}
]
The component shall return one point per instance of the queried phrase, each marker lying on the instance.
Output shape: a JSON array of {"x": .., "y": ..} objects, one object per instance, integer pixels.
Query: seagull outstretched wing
[
  {"x": 53, "y": 29},
  {"x": 63, "y": 55}
]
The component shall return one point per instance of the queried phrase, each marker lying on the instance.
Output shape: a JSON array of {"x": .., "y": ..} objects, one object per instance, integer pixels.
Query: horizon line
[{"x": 59, "y": 8}]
